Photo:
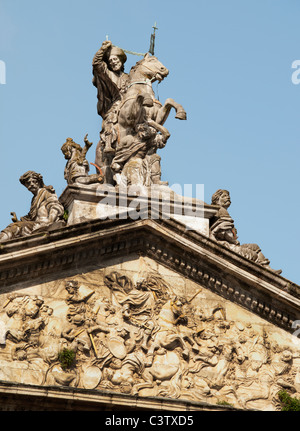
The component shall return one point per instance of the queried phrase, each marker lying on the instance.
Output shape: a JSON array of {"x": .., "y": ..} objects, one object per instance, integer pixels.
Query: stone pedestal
[{"x": 102, "y": 202}]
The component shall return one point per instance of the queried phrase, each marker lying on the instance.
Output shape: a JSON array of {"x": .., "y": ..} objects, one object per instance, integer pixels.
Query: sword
[{"x": 152, "y": 40}]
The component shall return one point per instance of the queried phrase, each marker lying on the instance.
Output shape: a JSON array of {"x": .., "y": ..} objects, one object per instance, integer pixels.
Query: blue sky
[{"x": 230, "y": 65}]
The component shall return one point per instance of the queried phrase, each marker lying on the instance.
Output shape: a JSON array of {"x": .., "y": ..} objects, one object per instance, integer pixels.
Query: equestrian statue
[{"x": 132, "y": 118}]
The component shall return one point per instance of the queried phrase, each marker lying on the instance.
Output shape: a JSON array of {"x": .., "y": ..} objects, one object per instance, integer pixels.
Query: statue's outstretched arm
[
  {"x": 14, "y": 217},
  {"x": 98, "y": 57},
  {"x": 88, "y": 144}
]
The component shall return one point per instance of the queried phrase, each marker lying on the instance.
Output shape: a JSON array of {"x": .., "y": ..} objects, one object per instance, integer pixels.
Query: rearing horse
[
  {"x": 139, "y": 103},
  {"x": 168, "y": 335}
]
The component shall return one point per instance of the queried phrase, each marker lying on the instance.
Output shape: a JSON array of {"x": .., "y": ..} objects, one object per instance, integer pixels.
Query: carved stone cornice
[
  {"x": 233, "y": 277},
  {"x": 15, "y": 396},
  {"x": 243, "y": 282}
]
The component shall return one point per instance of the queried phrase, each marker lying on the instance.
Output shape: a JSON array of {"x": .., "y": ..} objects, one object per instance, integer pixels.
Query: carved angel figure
[{"x": 45, "y": 212}]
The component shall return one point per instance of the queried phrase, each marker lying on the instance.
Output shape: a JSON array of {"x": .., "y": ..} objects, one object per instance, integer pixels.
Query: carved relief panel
[{"x": 139, "y": 328}]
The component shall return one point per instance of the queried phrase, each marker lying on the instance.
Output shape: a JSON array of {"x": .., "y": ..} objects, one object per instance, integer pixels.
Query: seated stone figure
[
  {"x": 45, "y": 212},
  {"x": 135, "y": 161},
  {"x": 224, "y": 232}
]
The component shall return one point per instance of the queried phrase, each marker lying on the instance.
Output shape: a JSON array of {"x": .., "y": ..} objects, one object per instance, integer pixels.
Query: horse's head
[{"x": 151, "y": 68}]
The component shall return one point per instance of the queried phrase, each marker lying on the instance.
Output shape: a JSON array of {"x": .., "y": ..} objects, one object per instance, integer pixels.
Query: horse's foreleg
[
  {"x": 165, "y": 133},
  {"x": 164, "y": 111},
  {"x": 163, "y": 114}
]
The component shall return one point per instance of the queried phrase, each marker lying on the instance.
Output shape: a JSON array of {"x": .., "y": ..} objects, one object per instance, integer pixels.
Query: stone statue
[
  {"x": 45, "y": 213},
  {"x": 224, "y": 232},
  {"x": 77, "y": 167},
  {"x": 110, "y": 80},
  {"x": 125, "y": 102},
  {"x": 136, "y": 155},
  {"x": 109, "y": 77}
]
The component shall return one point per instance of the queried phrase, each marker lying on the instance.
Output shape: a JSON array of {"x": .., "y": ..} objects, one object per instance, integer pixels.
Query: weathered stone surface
[
  {"x": 45, "y": 213},
  {"x": 133, "y": 119},
  {"x": 106, "y": 202},
  {"x": 77, "y": 167},
  {"x": 224, "y": 232},
  {"x": 114, "y": 296},
  {"x": 145, "y": 318},
  {"x": 61, "y": 398}
]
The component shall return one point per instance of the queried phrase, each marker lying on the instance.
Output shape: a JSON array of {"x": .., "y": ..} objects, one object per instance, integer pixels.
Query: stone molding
[
  {"x": 96, "y": 193},
  {"x": 64, "y": 398},
  {"x": 188, "y": 253}
]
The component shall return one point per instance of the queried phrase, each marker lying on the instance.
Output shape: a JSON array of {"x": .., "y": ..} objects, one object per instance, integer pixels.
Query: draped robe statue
[
  {"x": 110, "y": 80},
  {"x": 45, "y": 212}
]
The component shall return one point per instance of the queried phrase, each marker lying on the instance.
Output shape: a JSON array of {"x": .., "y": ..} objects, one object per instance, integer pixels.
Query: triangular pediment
[{"x": 156, "y": 311}]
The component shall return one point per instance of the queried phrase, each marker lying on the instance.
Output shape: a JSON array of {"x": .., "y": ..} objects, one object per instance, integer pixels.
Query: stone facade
[
  {"x": 111, "y": 300},
  {"x": 148, "y": 310}
]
